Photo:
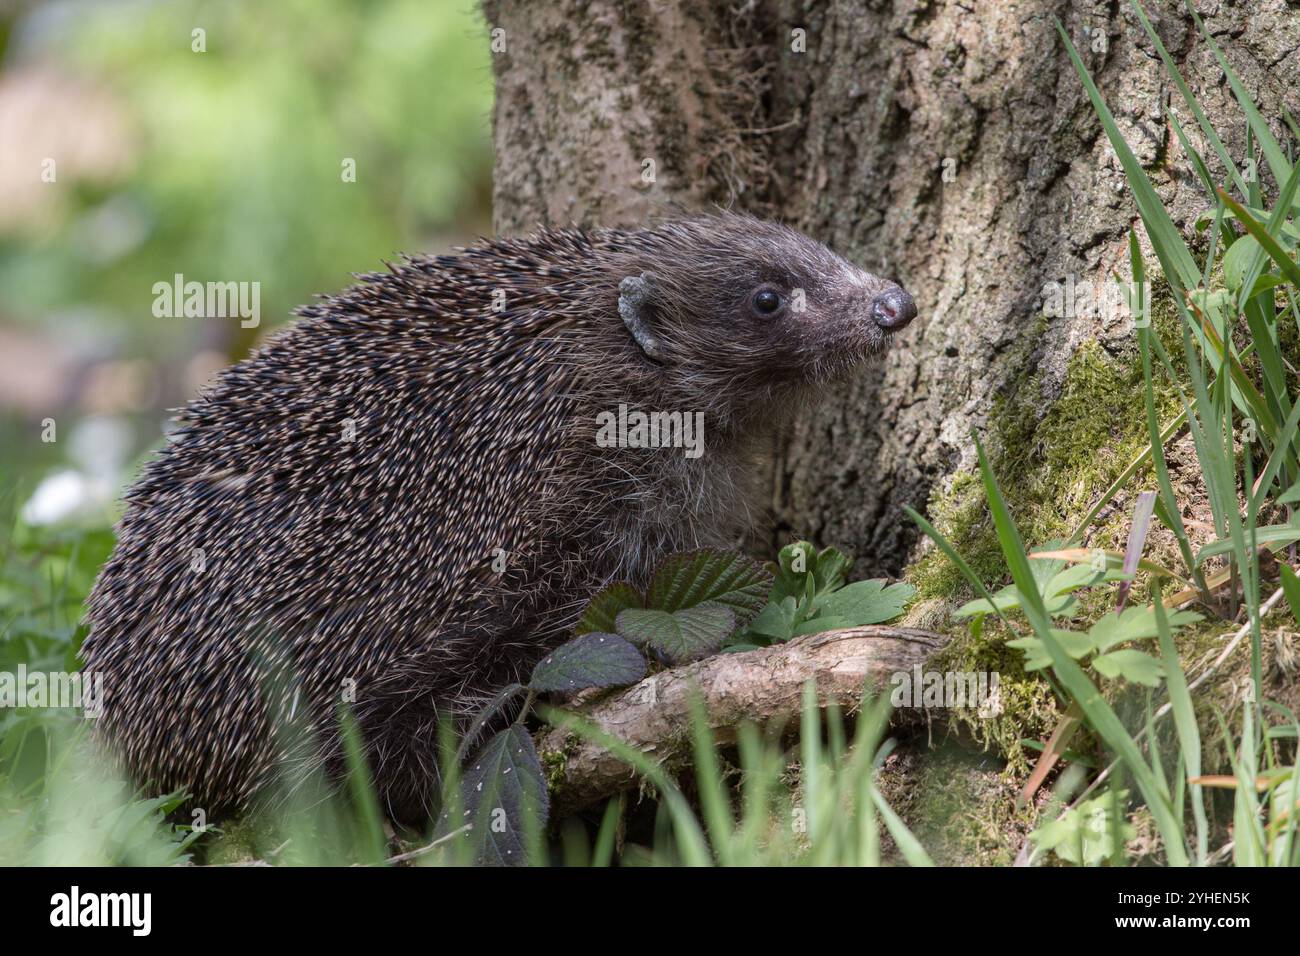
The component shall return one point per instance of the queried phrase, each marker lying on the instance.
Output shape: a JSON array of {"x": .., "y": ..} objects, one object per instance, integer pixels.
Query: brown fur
[{"x": 370, "y": 561}]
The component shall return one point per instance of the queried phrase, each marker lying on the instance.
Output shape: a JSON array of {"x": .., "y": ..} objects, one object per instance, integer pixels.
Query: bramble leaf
[
  {"x": 503, "y": 799},
  {"x": 678, "y": 636},
  {"x": 725, "y": 578},
  {"x": 589, "y": 660},
  {"x": 604, "y": 607}
]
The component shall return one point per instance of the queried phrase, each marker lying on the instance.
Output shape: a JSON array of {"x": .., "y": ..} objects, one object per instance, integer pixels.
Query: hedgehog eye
[{"x": 767, "y": 302}]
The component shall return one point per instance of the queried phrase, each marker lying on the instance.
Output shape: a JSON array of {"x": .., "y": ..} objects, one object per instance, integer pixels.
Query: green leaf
[
  {"x": 589, "y": 660},
  {"x": 504, "y": 800},
  {"x": 777, "y": 620},
  {"x": 1076, "y": 644},
  {"x": 679, "y": 636},
  {"x": 867, "y": 602},
  {"x": 1291, "y": 590},
  {"x": 1269, "y": 534},
  {"x": 726, "y": 578},
  {"x": 1085, "y": 835},
  {"x": 799, "y": 564},
  {"x": 1036, "y": 656},
  {"x": 603, "y": 609},
  {"x": 1135, "y": 624},
  {"x": 1133, "y": 666},
  {"x": 1260, "y": 233},
  {"x": 1238, "y": 260},
  {"x": 1055, "y": 588},
  {"x": 820, "y": 624}
]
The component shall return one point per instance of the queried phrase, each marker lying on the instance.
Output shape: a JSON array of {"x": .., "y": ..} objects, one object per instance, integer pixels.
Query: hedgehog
[{"x": 398, "y": 502}]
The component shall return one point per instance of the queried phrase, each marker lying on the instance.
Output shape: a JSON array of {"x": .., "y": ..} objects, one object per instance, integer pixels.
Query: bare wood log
[{"x": 763, "y": 686}]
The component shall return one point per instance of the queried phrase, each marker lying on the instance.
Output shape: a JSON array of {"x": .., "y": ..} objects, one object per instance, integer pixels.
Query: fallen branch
[{"x": 764, "y": 685}]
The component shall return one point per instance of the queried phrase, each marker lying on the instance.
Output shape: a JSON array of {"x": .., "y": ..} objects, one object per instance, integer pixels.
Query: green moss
[
  {"x": 1053, "y": 460},
  {"x": 554, "y": 763},
  {"x": 237, "y": 841},
  {"x": 959, "y": 804}
]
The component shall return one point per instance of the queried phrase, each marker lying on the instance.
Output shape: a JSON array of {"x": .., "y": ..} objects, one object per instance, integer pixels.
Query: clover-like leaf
[
  {"x": 589, "y": 660},
  {"x": 603, "y": 609},
  {"x": 678, "y": 636},
  {"x": 503, "y": 799},
  {"x": 725, "y": 578},
  {"x": 1134, "y": 666},
  {"x": 1134, "y": 624},
  {"x": 1057, "y": 588},
  {"x": 1036, "y": 656}
]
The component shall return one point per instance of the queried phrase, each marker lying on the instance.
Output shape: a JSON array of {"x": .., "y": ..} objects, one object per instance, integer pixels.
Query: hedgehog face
[
  {"x": 813, "y": 317},
  {"x": 737, "y": 307}
]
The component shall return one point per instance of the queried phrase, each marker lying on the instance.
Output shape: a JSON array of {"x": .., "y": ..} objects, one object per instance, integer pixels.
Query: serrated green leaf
[
  {"x": 679, "y": 636},
  {"x": 1135, "y": 624},
  {"x": 503, "y": 799},
  {"x": 1134, "y": 666},
  {"x": 725, "y": 578},
  {"x": 589, "y": 660},
  {"x": 1076, "y": 644},
  {"x": 602, "y": 611}
]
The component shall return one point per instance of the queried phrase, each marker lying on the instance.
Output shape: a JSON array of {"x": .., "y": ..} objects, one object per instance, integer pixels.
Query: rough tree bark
[{"x": 848, "y": 141}]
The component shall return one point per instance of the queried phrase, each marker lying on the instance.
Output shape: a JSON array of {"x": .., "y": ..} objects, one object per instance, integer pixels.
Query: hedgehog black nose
[{"x": 892, "y": 310}]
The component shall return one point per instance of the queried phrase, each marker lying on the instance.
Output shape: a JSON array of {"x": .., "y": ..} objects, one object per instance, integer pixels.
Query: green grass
[{"x": 1236, "y": 396}]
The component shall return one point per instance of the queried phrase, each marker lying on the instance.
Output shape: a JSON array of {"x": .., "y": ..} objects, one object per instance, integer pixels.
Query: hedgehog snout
[{"x": 893, "y": 309}]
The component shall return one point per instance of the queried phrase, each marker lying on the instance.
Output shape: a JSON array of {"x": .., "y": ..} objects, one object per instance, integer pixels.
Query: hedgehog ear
[{"x": 635, "y": 293}]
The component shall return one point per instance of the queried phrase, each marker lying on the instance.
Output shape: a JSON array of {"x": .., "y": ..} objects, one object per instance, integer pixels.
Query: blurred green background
[{"x": 222, "y": 165}]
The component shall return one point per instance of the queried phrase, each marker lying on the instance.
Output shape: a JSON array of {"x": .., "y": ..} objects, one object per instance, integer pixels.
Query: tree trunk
[{"x": 947, "y": 144}]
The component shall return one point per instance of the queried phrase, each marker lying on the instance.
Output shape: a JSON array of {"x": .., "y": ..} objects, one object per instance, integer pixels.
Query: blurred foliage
[
  {"x": 222, "y": 165},
  {"x": 235, "y": 154}
]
